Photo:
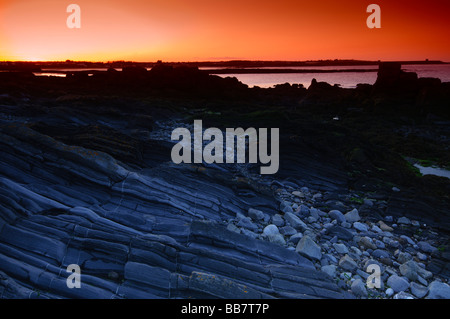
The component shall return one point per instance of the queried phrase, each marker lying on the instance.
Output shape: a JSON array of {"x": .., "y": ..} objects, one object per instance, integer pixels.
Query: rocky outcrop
[{"x": 151, "y": 231}]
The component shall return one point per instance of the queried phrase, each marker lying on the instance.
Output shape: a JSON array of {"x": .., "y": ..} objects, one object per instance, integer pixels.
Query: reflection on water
[
  {"x": 433, "y": 171},
  {"x": 61, "y": 75},
  {"x": 344, "y": 79}
]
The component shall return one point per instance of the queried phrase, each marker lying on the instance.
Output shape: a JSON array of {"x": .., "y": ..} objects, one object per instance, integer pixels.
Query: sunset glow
[{"x": 202, "y": 30}]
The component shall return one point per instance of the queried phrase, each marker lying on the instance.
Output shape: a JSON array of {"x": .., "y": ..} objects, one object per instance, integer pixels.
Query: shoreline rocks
[
  {"x": 344, "y": 250},
  {"x": 85, "y": 180}
]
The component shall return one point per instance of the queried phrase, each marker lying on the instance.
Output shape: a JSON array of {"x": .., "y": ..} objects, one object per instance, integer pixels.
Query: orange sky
[{"x": 199, "y": 30}]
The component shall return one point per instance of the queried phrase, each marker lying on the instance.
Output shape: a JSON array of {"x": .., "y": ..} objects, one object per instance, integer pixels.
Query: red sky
[{"x": 200, "y": 30}]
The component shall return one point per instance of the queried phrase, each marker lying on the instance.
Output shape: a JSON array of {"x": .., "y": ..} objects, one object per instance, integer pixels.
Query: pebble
[
  {"x": 356, "y": 251},
  {"x": 311, "y": 219},
  {"x": 256, "y": 214},
  {"x": 346, "y": 225},
  {"x": 337, "y": 215},
  {"x": 295, "y": 238},
  {"x": 360, "y": 227},
  {"x": 403, "y": 257},
  {"x": 363, "y": 274},
  {"x": 331, "y": 258},
  {"x": 403, "y": 295},
  {"x": 340, "y": 232},
  {"x": 277, "y": 239},
  {"x": 389, "y": 219},
  {"x": 421, "y": 256},
  {"x": 247, "y": 223},
  {"x": 422, "y": 281},
  {"x": 389, "y": 292},
  {"x": 271, "y": 230},
  {"x": 438, "y": 290},
  {"x": 380, "y": 253},
  {"x": 426, "y": 247},
  {"x": 341, "y": 248},
  {"x": 286, "y": 207},
  {"x": 408, "y": 239},
  {"x": 394, "y": 243},
  {"x": 418, "y": 290},
  {"x": 351, "y": 243},
  {"x": 288, "y": 231},
  {"x": 359, "y": 288},
  {"x": 304, "y": 189},
  {"x": 385, "y": 227},
  {"x": 367, "y": 243},
  {"x": 295, "y": 222},
  {"x": 298, "y": 194},
  {"x": 379, "y": 244},
  {"x": 415, "y": 223},
  {"x": 352, "y": 216},
  {"x": 313, "y": 212},
  {"x": 329, "y": 270},
  {"x": 346, "y": 276},
  {"x": 398, "y": 283},
  {"x": 328, "y": 225},
  {"x": 409, "y": 269},
  {"x": 347, "y": 263},
  {"x": 376, "y": 229},
  {"x": 387, "y": 261},
  {"x": 277, "y": 220},
  {"x": 404, "y": 221},
  {"x": 307, "y": 247},
  {"x": 303, "y": 210}
]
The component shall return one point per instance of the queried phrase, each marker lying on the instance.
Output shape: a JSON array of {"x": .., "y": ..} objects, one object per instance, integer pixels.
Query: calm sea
[{"x": 344, "y": 79}]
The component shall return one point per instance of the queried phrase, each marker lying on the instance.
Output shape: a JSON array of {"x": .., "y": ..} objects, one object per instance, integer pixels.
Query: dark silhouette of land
[{"x": 233, "y": 64}]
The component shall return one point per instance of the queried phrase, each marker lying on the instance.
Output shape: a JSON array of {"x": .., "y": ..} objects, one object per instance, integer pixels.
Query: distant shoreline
[
  {"x": 269, "y": 71},
  {"x": 236, "y": 66}
]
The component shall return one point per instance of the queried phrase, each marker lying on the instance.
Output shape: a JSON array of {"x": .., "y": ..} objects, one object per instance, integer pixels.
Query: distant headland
[{"x": 236, "y": 65}]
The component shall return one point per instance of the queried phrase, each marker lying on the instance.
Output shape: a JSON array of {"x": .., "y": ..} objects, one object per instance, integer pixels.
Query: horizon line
[{"x": 224, "y": 61}]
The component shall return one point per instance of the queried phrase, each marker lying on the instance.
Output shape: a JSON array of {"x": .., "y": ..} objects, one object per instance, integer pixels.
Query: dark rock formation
[
  {"x": 85, "y": 179},
  {"x": 138, "y": 228}
]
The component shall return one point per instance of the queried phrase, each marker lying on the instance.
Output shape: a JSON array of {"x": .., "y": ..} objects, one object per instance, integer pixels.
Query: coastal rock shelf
[
  {"x": 157, "y": 232},
  {"x": 86, "y": 178}
]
